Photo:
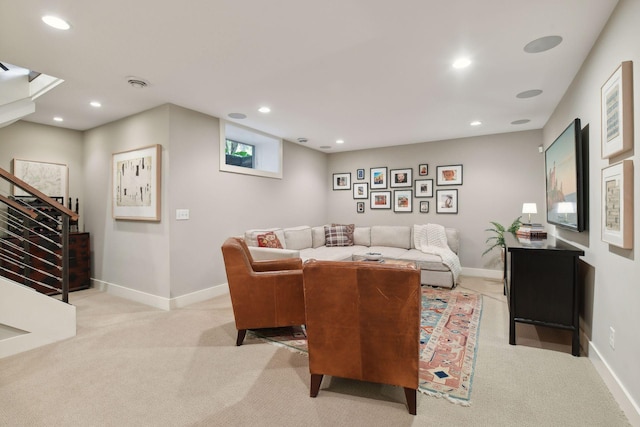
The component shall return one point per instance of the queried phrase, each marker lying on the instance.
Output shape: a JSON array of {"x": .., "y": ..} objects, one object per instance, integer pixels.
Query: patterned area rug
[{"x": 448, "y": 342}]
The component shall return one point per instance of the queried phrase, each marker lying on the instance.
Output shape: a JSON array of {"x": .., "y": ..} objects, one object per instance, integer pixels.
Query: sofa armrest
[
  {"x": 277, "y": 264},
  {"x": 260, "y": 254}
]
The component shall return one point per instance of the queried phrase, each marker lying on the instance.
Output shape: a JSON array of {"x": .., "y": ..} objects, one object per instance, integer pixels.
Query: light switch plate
[{"x": 182, "y": 214}]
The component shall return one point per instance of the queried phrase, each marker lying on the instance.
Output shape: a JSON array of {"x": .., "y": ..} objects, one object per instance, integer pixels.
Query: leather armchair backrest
[{"x": 363, "y": 320}]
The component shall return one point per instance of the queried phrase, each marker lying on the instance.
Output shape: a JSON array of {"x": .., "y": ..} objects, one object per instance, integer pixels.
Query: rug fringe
[{"x": 445, "y": 396}]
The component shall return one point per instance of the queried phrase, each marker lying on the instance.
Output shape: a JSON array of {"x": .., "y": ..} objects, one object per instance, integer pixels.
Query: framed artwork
[
  {"x": 449, "y": 175},
  {"x": 361, "y": 190},
  {"x": 423, "y": 169},
  {"x": 447, "y": 201},
  {"x": 378, "y": 178},
  {"x": 342, "y": 181},
  {"x": 136, "y": 184},
  {"x": 360, "y": 174},
  {"x": 380, "y": 200},
  {"x": 360, "y": 207},
  {"x": 52, "y": 179},
  {"x": 617, "y": 204},
  {"x": 424, "y": 206},
  {"x": 424, "y": 187},
  {"x": 402, "y": 201},
  {"x": 616, "y": 106},
  {"x": 401, "y": 177}
]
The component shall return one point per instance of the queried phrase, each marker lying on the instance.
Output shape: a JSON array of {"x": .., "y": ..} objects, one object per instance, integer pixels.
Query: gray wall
[
  {"x": 174, "y": 258},
  {"x": 612, "y": 275},
  {"x": 500, "y": 172},
  {"x": 30, "y": 141}
]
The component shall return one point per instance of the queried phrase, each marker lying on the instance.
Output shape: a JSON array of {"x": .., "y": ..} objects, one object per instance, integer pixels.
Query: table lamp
[{"x": 529, "y": 208}]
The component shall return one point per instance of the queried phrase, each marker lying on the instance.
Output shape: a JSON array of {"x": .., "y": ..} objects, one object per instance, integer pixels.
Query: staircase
[{"x": 34, "y": 254}]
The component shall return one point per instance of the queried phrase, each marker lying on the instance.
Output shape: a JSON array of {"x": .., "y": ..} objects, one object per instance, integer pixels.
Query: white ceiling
[{"x": 371, "y": 72}]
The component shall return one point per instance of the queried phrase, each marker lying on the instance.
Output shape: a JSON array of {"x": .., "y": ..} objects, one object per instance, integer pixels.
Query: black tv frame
[{"x": 565, "y": 166}]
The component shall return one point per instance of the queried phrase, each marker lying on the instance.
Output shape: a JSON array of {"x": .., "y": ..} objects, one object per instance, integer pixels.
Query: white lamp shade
[
  {"x": 529, "y": 208},
  {"x": 566, "y": 208}
]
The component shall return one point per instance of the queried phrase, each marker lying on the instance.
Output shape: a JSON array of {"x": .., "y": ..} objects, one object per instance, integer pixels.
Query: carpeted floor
[
  {"x": 133, "y": 365},
  {"x": 448, "y": 342}
]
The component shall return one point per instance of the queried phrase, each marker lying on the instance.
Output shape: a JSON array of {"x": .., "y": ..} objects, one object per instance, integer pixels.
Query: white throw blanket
[{"x": 432, "y": 239}]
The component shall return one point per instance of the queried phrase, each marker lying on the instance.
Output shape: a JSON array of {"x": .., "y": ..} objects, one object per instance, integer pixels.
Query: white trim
[
  {"x": 481, "y": 272},
  {"x": 619, "y": 392},
  {"x": 158, "y": 301},
  {"x": 202, "y": 295}
]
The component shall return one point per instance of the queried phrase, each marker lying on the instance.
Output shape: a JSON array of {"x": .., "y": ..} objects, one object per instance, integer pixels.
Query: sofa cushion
[
  {"x": 425, "y": 261},
  {"x": 331, "y": 253},
  {"x": 298, "y": 237},
  {"x": 317, "y": 236},
  {"x": 338, "y": 235},
  {"x": 251, "y": 236},
  {"x": 362, "y": 236},
  {"x": 269, "y": 240},
  {"x": 396, "y": 236}
]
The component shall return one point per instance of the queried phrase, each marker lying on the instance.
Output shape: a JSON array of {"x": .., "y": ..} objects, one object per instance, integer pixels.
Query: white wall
[
  {"x": 500, "y": 172},
  {"x": 612, "y": 290}
]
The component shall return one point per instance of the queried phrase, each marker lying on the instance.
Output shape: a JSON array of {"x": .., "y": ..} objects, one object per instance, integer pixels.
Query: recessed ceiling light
[
  {"x": 542, "y": 44},
  {"x": 55, "y": 22},
  {"x": 529, "y": 93},
  {"x": 58, "y": 119},
  {"x": 461, "y": 63},
  {"x": 520, "y": 122},
  {"x": 339, "y": 141},
  {"x": 238, "y": 116},
  {"x": 475, "y": 123},
  {"x": 264, "y": 110},
  {"x": 95, "y": 104}
]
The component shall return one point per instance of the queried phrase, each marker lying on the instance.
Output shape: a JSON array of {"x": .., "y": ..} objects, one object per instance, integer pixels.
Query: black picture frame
[{"x": 342, "y": 181}]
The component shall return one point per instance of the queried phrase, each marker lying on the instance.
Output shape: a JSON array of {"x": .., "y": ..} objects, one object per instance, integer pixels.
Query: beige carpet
[{"x": 132, "y": 365}]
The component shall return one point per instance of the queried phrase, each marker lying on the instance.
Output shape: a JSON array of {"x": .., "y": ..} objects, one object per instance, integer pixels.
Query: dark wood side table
[{"x": 542, "y": 285}]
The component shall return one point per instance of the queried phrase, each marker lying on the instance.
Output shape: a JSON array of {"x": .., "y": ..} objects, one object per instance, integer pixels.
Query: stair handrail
[{"x": 67, "y": 214}]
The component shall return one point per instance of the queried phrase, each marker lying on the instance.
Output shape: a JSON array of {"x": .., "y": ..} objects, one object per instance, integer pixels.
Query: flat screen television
[{"x": 564, "y": 165}]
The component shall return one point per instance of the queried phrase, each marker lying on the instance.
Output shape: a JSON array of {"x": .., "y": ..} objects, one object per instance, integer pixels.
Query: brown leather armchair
[
  {"x": 363, "y": 323},
  {"x": 264, "y": 294}
]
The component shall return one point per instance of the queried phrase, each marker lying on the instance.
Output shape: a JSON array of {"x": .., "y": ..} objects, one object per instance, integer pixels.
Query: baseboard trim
[
  {"x": 158, "y": 301},
  {"x": 481, "y": 272},
  {"x": 619, "y": 392}
]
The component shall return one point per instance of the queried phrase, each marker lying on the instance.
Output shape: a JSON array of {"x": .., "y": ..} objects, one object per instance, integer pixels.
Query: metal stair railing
[{"x": 36, "y": 239}]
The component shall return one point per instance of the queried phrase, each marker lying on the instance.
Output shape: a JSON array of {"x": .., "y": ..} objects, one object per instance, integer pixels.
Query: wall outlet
[
  {"x": 182, "y": 214},
  {"x": 612, "y": 337}
]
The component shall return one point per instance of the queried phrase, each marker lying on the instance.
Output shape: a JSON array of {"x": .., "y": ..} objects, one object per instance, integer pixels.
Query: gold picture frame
[
  {"x": 616, "y": 106},
  {"x": 617, "y": 204},
  {"x": 136, "y": 184}
]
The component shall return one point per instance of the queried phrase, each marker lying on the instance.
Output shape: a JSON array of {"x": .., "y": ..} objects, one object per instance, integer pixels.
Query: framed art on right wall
[
  {"x": 617, "y": 204},
  {"x": 616, "y": 106}
]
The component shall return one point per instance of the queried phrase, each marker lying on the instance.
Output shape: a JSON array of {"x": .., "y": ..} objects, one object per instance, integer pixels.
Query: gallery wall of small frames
[{"x": 397, "y": 188}]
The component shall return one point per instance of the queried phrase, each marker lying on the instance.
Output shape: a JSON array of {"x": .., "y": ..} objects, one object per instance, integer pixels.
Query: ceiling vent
[{"x": 137, "y": 82}]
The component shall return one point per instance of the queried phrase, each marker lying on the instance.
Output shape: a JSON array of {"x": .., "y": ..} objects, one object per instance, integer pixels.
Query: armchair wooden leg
[
  {"x": 410, "y": 394},
  {"x": 241, "y": 334},
  {"x": 316, "y": 380}
]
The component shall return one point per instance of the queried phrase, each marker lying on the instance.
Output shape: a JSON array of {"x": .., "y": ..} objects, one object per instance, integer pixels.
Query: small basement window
[{"x": 250, "y": 152}]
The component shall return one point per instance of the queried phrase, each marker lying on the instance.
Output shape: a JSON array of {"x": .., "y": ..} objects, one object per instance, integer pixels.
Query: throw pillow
[
  {"x": 269, "y": 240},
  {"x": 338, "y": 235}
]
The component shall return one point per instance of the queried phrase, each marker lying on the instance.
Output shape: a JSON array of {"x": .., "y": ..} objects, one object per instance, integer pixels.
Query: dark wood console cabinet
[
  {"x": 79, "y": 264},
  {"x": 541, "y": 283}
]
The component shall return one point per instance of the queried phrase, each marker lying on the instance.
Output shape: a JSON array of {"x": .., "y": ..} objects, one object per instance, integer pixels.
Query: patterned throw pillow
[
  {"x": 339, "y": 235},
  {"x": 269, "y": 240}
]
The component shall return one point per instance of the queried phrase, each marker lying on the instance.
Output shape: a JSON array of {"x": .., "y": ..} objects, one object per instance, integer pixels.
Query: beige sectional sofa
[{"x": 392, "y": 241}]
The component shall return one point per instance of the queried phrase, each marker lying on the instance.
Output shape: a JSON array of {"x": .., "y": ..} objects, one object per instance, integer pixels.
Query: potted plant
[{"x": 499, "y": 230}]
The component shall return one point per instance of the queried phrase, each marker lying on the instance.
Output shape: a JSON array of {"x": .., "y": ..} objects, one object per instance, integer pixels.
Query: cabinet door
[{"x": 543, "y": 287}]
